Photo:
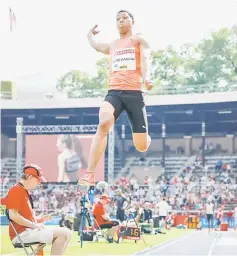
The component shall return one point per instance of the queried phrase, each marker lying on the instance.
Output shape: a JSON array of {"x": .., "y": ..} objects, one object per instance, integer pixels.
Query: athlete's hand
[
  {"x": 148, "y": 85},
  {"x": 94, "y": 30}
]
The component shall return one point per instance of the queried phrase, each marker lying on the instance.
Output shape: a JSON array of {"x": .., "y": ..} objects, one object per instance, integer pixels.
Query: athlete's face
[{"x": 124, "y": 22}]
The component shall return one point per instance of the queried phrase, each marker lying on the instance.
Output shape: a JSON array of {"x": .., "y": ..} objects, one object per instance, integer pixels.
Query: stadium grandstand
[{"x": 183, "y": 128}]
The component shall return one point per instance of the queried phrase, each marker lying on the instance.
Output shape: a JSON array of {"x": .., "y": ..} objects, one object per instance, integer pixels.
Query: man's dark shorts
[
  {"x": 120, "y": 215},
  {"x": 133, "y": 103},
  {"x": 109, "y": 224}
]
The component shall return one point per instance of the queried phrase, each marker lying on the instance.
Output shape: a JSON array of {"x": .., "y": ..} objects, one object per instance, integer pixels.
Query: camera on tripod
[
  {"x": 131, "y": 215},
  {"x": 83, "y": 201}
]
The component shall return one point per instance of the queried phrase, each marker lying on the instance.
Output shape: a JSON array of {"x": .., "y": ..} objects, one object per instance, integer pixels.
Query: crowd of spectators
[{"x": 189, "y": 190}]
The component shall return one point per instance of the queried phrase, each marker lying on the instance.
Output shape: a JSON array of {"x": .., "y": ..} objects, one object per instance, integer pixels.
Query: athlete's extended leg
[
  {"x": 106, "y": 121},
  {"x": 136, "y": 110},
  {"x": 110, "y": 110}
]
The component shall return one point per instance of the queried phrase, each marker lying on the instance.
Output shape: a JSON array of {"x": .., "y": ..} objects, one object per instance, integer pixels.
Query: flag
[{"x": 12, "y": 18}]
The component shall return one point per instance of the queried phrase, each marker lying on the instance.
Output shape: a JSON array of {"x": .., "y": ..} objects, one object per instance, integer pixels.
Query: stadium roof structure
[
  {"x": 183, "y": 115},
  {"x": 96, "y": 102}
]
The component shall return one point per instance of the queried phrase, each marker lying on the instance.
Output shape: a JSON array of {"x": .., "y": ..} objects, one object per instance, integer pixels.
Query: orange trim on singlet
[{"x": 125, "y": 65}]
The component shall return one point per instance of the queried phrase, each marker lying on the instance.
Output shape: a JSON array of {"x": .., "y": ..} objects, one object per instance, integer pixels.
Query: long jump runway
[{"x": 198, "y": 243}]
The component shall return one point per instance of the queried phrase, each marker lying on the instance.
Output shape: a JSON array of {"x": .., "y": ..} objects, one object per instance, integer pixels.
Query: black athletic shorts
[
  {"x": 162, "y": 217},
  {"x": 109, "y": 224},
  {"x": 133, "y": 103},
  {"x": 209, "y": 217},
  {"x": 120, "y": 215}
]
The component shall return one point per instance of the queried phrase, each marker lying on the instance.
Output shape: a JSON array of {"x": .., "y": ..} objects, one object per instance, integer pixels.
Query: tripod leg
[{"x": 82, "y": 226}]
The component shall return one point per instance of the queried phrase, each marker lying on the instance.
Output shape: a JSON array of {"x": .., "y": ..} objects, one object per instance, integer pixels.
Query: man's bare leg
[
  {"x": 112, "y": 233},
  {"x": 98, "y": 147},
  {"x": 61, "y": 238},
  {"x": 106, "y": 121}
]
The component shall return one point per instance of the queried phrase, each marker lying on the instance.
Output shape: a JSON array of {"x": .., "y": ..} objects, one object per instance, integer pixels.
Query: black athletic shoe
[{"x": 110, "y": 240}]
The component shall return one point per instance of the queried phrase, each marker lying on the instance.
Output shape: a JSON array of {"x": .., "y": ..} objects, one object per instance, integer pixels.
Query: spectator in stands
[
  {"x": 132, "y": 182},
  {"x": 42, "y": 204},
  {"x": 229, "y": 215},
  {"x": 219, "y": 165},
  {"x": 70, "y": 159},
  {"x": 148, "y": 215},
  {"x": 122, "y": 204},
  {"x": 163, "y": 210},
  {"x": 138, "y": 213},
  {"x": 219, "y": 216},
  {"x": 169, "y": 220},
  {"x": 6, "y": 181},
  {"x": 30, "y": 229},
  {"x": 209, "y": 211}
]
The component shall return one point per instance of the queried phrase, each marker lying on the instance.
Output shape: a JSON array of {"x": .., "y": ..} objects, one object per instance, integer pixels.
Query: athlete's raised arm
[
  {"x": 145, "y": 61},
  {"x": 98, "y": 46}
]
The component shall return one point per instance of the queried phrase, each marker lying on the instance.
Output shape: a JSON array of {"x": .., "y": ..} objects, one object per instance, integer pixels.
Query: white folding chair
[{"x": 21, "y": 244}]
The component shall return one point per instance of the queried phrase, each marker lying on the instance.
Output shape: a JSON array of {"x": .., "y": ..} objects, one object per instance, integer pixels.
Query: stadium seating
[{"x": 151, "y": 166}]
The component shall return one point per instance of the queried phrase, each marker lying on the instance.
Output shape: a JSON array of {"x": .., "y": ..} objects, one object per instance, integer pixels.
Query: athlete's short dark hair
[{"x": 129, "y": 13}]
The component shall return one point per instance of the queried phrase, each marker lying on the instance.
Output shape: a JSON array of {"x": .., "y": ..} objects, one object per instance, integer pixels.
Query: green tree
[
  {"x": 211, "y": 61},
  {"x": 102, "y": 76},
  {"x": 167, "y": 69},
  {"x": 74, "y": 83},
  {"x": 78, "y": 84},
  {"x": 216, "y": 58}
]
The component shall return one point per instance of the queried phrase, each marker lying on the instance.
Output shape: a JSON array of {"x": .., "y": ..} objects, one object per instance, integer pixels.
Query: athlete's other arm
[
  {"x": 98, "y": 46},
  {"x": 145, "y": 61}
]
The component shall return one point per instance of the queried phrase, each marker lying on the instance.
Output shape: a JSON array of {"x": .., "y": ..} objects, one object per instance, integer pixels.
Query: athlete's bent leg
[
  {"x": 141, "y": 141},
  {"x": 106, "y": 121},
  {"x": 136, "y": 110}
]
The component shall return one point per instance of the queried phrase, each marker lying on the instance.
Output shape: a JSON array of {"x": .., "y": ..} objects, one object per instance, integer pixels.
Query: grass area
[{"x": 96, "y": 248}]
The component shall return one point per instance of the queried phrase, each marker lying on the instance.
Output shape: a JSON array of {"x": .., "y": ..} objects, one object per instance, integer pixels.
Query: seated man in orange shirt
[
  {"x": 20, "y": 207},
  {"x": 102, "y": 219}
]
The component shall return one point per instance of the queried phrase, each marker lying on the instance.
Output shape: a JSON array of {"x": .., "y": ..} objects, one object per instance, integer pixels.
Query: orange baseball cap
[
  {"x": 105, "y": 197},
  {"x": 35, "y": 171}
]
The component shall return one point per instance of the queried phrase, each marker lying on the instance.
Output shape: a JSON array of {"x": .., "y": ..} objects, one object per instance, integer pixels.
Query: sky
[{"x": 50, "y": 35}]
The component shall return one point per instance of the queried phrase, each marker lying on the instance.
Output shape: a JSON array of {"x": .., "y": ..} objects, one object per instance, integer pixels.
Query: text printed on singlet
[{"x": 124, "y": 59}]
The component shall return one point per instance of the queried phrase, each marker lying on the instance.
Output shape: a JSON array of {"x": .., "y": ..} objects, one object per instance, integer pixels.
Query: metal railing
[{"x": 95, "y": 93}]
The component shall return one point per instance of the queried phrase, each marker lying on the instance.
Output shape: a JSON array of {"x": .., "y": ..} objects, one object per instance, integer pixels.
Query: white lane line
[
  {"x": 212, "y": 247},
  {"x": 162, "y": 246}
]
